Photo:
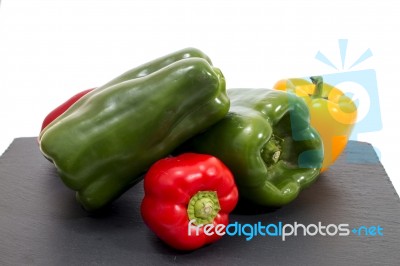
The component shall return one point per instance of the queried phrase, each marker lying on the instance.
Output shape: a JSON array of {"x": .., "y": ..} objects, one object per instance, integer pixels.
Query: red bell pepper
[
  {"x": 62, "y": 108},
  {"x": 188, "y": 199}
]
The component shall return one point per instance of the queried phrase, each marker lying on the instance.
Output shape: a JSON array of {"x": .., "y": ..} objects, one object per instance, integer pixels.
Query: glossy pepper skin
[
  {"x": 103, "y": 143},
  {"x": 157, "y": 64},
  {"x": 332, "y": 113},
  {"x": 190, "y": 188},
  {"x": 267, "y": 142},
  {"x": 137, "y": 72}
]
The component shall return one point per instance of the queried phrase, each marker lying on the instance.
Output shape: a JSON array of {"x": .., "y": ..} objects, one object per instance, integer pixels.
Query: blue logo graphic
[{"x": 361, "y": 86}]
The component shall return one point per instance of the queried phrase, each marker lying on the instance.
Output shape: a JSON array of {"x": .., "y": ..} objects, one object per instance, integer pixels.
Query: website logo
[{"x": 283, "y": 231}]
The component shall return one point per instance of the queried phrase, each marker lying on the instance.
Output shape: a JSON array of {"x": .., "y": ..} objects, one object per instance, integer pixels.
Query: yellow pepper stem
[{"x": 318, "y": 82}]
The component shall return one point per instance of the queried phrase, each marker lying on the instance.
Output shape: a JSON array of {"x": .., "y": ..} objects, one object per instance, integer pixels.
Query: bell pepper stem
[
  {"x": 318, "y": 82},
  {"x": 272, "y": 150},
  {"x": 203, "y": 207}
]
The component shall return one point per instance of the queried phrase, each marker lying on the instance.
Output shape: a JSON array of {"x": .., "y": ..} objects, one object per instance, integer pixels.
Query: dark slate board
[{"x": 41, "y": 224}]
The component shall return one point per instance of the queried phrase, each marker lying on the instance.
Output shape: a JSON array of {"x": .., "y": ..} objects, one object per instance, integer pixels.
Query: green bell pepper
[
  {"x": 267, "y": 142},
  {"x": 102, "y": 145}
]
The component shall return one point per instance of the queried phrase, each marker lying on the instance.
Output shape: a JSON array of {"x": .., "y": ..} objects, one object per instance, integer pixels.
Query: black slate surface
[{"x": 41, "y": 224}]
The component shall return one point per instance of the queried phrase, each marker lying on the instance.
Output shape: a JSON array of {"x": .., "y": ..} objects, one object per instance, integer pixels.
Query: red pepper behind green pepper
[{"x": 62, "y": 108}]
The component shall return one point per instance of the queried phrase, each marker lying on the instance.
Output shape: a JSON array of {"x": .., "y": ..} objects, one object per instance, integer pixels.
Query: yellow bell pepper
[{"x": 332, "y": 113}]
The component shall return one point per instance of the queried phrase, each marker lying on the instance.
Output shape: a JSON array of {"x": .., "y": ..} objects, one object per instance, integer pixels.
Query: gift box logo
[{"x": 361, "y": 86}]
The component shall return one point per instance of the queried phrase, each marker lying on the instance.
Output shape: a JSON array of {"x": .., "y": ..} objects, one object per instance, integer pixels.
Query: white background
[{"x": 52, "y": 49}]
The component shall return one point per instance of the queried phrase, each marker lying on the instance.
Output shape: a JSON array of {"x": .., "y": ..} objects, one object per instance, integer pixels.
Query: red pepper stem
[
  {"x": 318, "y": 82},
  {"x": 203, "y": 207}
]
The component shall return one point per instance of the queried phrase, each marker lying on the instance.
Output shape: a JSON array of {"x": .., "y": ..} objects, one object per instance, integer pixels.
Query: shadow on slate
[{"x": 41, "y": 223}]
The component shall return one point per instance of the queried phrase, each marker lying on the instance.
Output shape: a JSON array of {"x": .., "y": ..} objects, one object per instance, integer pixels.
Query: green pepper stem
[
  {"x": 271, "y": 151},
  {"x": 203, "y": 207},
  {"x": 318, "y": 82}
]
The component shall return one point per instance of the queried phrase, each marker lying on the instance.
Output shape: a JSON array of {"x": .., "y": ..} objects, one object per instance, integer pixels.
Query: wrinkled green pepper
[
  {"x": 267, "y": 142},
  {"x": 103, "y": 143}
]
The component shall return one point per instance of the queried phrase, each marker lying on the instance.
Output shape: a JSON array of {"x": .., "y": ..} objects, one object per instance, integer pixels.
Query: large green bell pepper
[
  {"x": 267, "y": 142},
  {"x": 103, "y": 143}
]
